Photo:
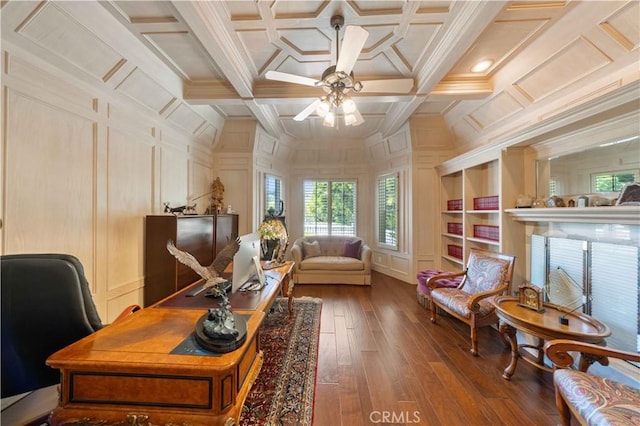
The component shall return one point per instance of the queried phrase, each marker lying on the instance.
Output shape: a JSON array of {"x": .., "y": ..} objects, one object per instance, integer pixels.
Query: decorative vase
[{"x": 267, "y": 248}]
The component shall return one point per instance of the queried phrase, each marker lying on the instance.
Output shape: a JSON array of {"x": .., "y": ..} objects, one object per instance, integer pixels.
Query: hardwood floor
[{"x": 381, "y": 361}]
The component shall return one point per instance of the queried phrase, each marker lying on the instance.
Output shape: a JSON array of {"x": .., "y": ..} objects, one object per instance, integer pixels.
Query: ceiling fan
[{"x": 338, "y": 80}]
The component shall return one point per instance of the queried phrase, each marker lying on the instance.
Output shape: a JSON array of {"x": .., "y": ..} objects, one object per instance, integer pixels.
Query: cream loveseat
[{"x": 328, "y": 260}]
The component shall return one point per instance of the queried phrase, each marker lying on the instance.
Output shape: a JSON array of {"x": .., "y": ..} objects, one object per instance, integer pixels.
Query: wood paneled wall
[{"x": 80, "y": 172}]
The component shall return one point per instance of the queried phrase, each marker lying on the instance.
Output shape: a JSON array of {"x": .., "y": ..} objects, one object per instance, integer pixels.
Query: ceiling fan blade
[
  {"x": 401, "y": 85},
  {"x": 308, "y": 110},
  {"x": 352, "y": 44},
  {"x": 290, "y": 78}
]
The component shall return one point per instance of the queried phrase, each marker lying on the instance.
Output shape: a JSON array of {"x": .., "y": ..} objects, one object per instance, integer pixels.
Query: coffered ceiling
[{"x": 222, "y": 49}]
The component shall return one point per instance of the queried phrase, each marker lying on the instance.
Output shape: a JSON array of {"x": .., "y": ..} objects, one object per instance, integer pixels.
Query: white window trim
[{"x": 380, "y": 244}]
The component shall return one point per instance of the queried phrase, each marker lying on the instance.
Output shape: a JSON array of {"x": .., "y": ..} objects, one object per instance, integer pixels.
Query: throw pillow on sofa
[
  {"x": 311, "y": 249},
  {"x": 351, "y": 248}
]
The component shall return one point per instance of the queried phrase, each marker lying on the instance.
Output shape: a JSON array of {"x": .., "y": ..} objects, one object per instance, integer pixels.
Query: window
[
  {"x": 611, "y": 182},
  {"x": 272, "y": 194},
  {"x": 329, "y": 207},
  {"x": 388, "y": 211}
]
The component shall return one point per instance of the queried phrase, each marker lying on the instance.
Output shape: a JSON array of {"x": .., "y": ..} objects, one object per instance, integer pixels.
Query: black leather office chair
[{"x": 46, "y": 305}]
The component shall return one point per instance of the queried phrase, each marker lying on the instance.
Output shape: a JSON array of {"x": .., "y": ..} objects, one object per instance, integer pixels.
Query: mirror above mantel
[
  {"x": 596, "y": 172},
  {"x": 599, "y": 173}
]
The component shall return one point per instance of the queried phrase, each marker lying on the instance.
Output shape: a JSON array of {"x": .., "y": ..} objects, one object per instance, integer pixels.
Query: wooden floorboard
[{"x": 382, "y": 361}]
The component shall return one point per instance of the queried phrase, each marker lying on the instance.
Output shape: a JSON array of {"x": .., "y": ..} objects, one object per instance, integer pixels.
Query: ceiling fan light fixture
[
  {"x": 358, "y": 117},
  {"x": 350, "y": 119},
  {"x": 338, "y": 80},
  {"x": 329, "y": 119},
  {"x": 482, "y": 66},
  {"x": 348, "y": 105}
]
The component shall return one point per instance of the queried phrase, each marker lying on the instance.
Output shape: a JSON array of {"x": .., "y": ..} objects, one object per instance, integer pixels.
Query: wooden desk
[
  {"x": 241, "y": 301},
  {"x": 129, "y": 372},
  {"x": 544, "y": 326}
]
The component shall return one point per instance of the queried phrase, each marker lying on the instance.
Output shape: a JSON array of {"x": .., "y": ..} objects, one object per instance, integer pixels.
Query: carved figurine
[
  {"x": 217, "y": 193},
  {"x": 185, "y": 209}
]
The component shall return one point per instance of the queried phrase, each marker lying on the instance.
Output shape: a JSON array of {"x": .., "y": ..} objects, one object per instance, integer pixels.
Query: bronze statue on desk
[{"x": 220, "y": 322}]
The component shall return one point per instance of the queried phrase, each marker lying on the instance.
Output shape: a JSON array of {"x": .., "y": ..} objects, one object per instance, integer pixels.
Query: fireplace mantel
[{"x": 625, "y": 215}]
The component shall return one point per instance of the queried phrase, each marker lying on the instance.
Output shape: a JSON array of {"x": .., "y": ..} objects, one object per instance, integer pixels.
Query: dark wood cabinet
[
  {"x": 226, "y": 231},
  {"x": 200, "y": 235}
]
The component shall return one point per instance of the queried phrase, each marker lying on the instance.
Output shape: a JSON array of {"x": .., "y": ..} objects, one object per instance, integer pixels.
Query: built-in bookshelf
[
  {"x": 473, "y": 199},
  {"x": 452, "y": 220}
]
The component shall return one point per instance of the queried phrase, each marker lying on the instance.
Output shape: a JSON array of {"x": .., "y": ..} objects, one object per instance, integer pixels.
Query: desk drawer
[{"x": 141, "y": 390}]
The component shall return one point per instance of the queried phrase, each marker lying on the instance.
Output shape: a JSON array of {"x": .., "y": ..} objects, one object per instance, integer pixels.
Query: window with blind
[
  {"x": 329, "y": 207},
  {"x": 614, "y": 281},
  {"x": 272, "y": 194},
  {"x": 388, "y": 211}
]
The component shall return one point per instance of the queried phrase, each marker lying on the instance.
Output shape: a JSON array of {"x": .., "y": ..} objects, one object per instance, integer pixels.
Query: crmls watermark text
[{"x": 394, "y": 417}]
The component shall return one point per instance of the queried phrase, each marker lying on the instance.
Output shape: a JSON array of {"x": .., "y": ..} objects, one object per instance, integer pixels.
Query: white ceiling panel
[
  {"x": 187, "y": 56},
  {"x": 416, "y": 41},
  {"x": 292, "y": 9},
  {"x": 365, "y": 7},
  {"x": 134, "y": 10},
  {"x": 242, "y": 10},
  {"x": 624, "y": 25},
  {"x": 257, "y": 45},
  {"x": 58, "y": 32},
  {"x": 306, "y": 41}
]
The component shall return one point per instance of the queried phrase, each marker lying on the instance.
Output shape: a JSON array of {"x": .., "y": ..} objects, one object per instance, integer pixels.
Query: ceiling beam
[
  {"x": 461, "y": 89},
  {"x": 266, "y": 116},
  {"x": 206, "y": 19},
  {"x": 201, "y": 92}
]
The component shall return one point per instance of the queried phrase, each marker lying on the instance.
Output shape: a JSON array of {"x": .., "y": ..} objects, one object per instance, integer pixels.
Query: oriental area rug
[{"x": 283, "y": 393}]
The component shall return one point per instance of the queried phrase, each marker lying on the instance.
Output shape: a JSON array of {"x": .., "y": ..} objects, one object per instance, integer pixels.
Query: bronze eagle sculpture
[
  {"x": 220, "y": 322},
  {"x": 211, "y": 274}
]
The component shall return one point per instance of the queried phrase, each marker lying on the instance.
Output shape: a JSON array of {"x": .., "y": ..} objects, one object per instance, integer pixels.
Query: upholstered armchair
[
  {"x": 592, "y": 400},
  {"x": 46, "y": 305},
  {"x": 487, "y": 275}
]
